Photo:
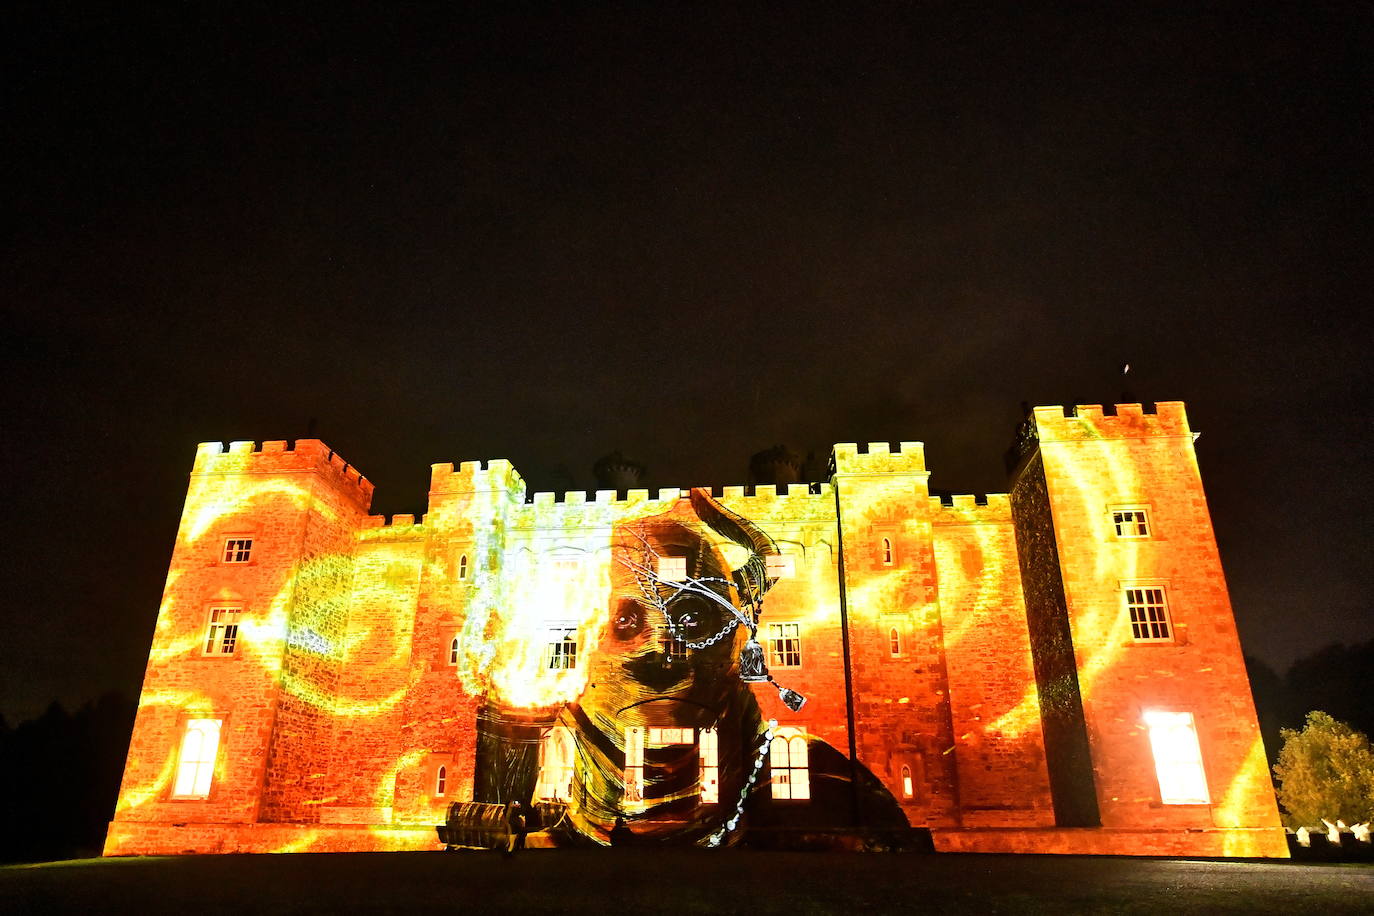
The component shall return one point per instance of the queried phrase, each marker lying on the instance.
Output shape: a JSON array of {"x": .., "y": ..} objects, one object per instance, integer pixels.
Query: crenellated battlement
[
  {"x": 800, "y": 501},
  {"x": 399, "y": 520},
  {"x": 878, "y": 458},
  {"x": 401, "y": 526},
  {"x": 494, "y": 474},
  {"x": 277, "y": 456},
  {"x": 1119, "y": 421},
  {"x": 994, "y": 508}
]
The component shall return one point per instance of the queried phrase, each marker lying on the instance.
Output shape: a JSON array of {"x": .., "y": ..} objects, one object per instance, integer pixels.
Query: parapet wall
[
  {"x": 993, "y": 509},
  {"x": 495, "y": 474},
  {"x": 400, "y": 527},
  {"x": 879, "y": 458},
  {"x": 796, "y": 502},
  {"x": 275, "y": 456},
  {"x": 1120, "y": 421}
]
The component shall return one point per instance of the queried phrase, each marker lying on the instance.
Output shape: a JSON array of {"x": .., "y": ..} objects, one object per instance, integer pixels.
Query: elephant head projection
[{"x": 668, "y": 734}]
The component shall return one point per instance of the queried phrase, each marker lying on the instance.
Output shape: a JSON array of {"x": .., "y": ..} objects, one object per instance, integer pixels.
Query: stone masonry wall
[
  {"x": 1095, "y": 461},
  {"x": 994, "y": 704}
]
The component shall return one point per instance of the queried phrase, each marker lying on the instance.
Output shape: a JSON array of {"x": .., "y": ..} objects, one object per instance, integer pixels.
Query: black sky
[{"x": 683, "y": 231}]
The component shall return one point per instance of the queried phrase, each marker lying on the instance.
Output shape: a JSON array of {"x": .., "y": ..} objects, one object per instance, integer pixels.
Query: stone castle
[{"x": 1056, "y": 669}]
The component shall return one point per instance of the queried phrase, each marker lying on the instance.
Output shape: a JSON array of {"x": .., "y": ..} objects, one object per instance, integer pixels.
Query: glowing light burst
[
  {"x": 152, "y": 790},
  {"x": 207, "y": 504}
]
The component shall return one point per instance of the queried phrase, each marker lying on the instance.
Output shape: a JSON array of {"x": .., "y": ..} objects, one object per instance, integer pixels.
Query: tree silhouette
[{"x": 1325, "y": 771}]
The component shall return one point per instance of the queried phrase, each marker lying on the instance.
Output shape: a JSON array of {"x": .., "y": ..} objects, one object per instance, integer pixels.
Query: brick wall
[
  {"x": 1013, "y": 694},
  {"x": 1093, "y": 462},
  {"x": 994, "y": 702}
]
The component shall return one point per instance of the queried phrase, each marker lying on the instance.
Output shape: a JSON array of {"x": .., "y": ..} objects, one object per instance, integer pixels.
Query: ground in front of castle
[{"x": 664, "y": 880}]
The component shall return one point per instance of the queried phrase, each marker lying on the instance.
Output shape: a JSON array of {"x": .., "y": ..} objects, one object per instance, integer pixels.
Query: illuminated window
[
  {"x": 562, "y": 648},
  {"x": 787, "y": 759},
  {"x": 887, "y": 551},
  {"x": 223, "y": 634},
  {"x": 672, "y": 569},
  {"x": 662, "y": 737},
  {"x": 1130, "y": 523},
  {"x": 906, "y": 783},
  {"x": 441, "y": 781},
  {"x": 453, "y": 651},
  {"x": 784, "y": 645},
  {"x": 780, "y": 566},
  {"x": 1178, "y": 758},
  {"x": 463, "y": 568},
  {"x": 196, "y": 761},
  {"x": 556, "y": 765},
  {"x": 709, "y": 753},
  {"x": 676, "y": 645},
  {"x": 238, "y": 550},
  {"x": 894, "y": 642},
  {"x": 1149, "y": 614},
  {"x": 634, "y": 766}
]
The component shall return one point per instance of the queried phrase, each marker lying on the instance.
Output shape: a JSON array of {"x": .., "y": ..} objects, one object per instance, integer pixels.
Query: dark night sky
[{"x": 686, "y": 233}]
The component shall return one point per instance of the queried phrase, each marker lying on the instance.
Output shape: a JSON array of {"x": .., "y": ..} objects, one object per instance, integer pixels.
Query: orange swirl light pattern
[{"x": 366, "y": 647}]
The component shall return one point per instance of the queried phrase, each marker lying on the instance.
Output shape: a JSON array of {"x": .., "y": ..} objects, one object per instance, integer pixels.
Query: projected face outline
[{"x": 667, "y": 655}]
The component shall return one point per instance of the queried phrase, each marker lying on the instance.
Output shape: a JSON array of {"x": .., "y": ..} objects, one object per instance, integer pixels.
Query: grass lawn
[{"x": 644, "y": 881}]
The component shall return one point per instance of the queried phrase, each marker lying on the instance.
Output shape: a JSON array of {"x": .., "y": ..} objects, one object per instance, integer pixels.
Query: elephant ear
[{"x": 752, "y": 578}]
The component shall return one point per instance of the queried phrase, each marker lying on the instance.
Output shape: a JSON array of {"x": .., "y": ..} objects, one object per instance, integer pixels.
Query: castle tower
[
  {"x": 898, "y": 701},
  {"x": 247, "y": 646},
  {"x": 1146, "y": 708}
]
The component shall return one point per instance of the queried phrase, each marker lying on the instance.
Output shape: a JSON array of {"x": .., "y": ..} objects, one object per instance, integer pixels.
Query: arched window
[
  {"x": 556, "y": 765},
  {"x": 788, "y": 760},
  {"x": 887, "y": 551},
  {"x": 894, "y": 642},
  {"x": 463, "y": 568},
  {"x": 196, "y": 766},
  {"x": 453, "y": 651},
  {"x": 441, "y": 781},
  {"x": 906, "y": 783}
]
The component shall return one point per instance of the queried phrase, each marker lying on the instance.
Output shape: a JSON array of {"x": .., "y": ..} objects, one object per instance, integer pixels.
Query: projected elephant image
[{"x": 667, "y": 742}]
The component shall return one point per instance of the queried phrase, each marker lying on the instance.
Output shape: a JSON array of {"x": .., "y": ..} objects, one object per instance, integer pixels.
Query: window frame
[
  {"x": 226, "y": 550},
  {"x": 778, "y": 641},
  {"x": 212, "y": 642},
  {"x": 1147, "y": 621},
  {"x": 784, "y": 783},
  {"x": 560, "y": 654},
  {"x": 1146, "y": 519},
  {"x": 201, "y": 766},
  {"x": 1157, "y": 721},
  {"x": 633, "y": 776},
  {"x": 554, "y": 779},
  {"x": 708, "y": 757},
  {"x": 671, "y": 569},
  {"x": 780, "y": 566},
  {"x": 441, "y": 781}
]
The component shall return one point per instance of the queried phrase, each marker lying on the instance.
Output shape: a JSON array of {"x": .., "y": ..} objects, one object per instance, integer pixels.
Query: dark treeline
[
  {"x": 62, "y": 770},
  {"x": 1334, "y": 679},
  {"x": 61, "y": 775}
]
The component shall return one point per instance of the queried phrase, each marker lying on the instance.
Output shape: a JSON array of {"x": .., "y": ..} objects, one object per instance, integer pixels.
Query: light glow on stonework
[
  {"x": 368, "y": 653},
  {"x": 1178, "y": 758}
]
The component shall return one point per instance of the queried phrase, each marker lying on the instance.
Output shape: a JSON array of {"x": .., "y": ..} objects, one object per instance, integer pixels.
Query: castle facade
[{"x": 1056, "y": 669}]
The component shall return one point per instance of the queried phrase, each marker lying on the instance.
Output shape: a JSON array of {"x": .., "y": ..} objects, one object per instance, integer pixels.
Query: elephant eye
[
  {"x": 627, "y": 620},
  {"x": 695, "y": 619}
]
